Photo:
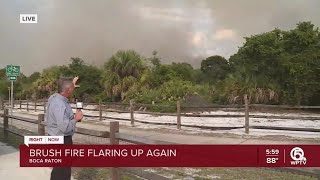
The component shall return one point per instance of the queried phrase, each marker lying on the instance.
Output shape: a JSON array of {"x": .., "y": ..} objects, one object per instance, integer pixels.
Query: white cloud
[
  {"x": 224, "y": 34},
  {"x": 183, "y": 15},
  {"x": 197, "y": 39}
]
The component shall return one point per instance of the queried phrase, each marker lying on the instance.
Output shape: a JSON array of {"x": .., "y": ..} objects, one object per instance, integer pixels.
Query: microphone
[{"x": 79, "y": 106}]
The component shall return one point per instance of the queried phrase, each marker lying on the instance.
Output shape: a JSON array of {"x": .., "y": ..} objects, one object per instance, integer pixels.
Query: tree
[
  {"x": 89, "y": 78},
  {"x": 278, "y": 64},
  {"x": 4, "y": 84},
  {"x": 261, "y": 54},
  {"x": 170, "y": 91},
  {"x": 200, "y": 77},
  {"x": 183, "y": 71},
  {"x": 176, "y": 89},
  {"x": 256, "y": 69},
  {"x": 301, "y": 64},
  {"x": 303, "y": 37},
  {"x": 216, "y": 68},
  {"x": 155, "y": 60},
  {"x": 303, "y": 72},
  {"x": 121, "y": 72},
  {"x": 19, "y": 86},
  {"x": 46, "y": 83},
  {"x": 258, "y": 88},
  {"x": 33, "y": 77},
  {"x": 2, "y": 73},
  {"x": 24, "y": 85}
]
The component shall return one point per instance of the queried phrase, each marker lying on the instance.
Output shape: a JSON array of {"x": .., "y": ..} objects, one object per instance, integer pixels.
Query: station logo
[{"x": 297, "y": 155}]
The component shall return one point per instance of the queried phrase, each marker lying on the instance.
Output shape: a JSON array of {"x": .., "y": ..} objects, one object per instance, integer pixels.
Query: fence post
[
  {"x": 35, "y": 105},
  {"x": 246, "y": 113},
  {"x": 131, "y": 112},
  {"x": 114, "y": 128},
  {"x": 100, "y": 111},
  {"x": 20, "y": 104},
  {"x": 5, "y": 122},
  {"x": 178, "y": 115},
  {"x": 41, "y": 130},
  {"x": 44, "y": 106},
  {"x": 1, "y": 104},
  {"x": 27, "y": 105}
]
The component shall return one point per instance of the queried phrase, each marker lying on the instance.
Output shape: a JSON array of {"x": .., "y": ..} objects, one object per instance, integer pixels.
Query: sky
[{"x": 179, "y": 30}]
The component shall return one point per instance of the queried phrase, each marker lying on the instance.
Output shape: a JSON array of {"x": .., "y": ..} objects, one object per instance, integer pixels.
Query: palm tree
[
  {"x": 46, "y": 84},
  {"x": 259, "y": 88},
  {"x": 122, "y": 72}
]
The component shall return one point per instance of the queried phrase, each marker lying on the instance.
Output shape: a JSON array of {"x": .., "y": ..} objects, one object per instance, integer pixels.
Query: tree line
[{"x": 275, "y": 67}]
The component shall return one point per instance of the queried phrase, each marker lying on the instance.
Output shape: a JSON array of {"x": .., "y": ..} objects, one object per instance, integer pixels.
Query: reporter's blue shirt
[{"x": 59, "y": 116}]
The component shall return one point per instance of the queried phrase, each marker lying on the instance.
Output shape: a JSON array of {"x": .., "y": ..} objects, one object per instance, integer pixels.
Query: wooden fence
[
  {"x": 115, "y": 137},
  {"x": 113, "y": 134},
  {"x": 133, "y": 108}
]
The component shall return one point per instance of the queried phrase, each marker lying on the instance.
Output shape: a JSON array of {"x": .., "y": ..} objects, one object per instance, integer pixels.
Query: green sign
[
  {"x": 13, "y": 78},
  {"x": 13, "y": 70}
]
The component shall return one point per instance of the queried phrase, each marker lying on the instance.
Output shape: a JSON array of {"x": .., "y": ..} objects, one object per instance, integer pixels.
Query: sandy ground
[{"x": 213, "y": 122}]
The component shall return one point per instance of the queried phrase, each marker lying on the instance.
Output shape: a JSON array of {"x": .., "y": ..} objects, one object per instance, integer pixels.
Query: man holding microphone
[{"x": 61, "y": 121}]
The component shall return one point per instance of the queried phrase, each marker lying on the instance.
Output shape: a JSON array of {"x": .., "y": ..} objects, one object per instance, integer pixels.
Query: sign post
[
  {"x": 9, "y": 88},
  {"x": 11, "y": 96},
  {"x": 12, "y": 71}
]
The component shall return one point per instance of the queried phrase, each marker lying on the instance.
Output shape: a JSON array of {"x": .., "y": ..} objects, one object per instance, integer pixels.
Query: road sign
[
  {"x": 12, "y": 70},
  {"x": 13, "y": 78}
]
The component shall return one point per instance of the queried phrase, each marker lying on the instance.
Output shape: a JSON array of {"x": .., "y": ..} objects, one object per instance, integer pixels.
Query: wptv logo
[{"x": 297, "y": 155}]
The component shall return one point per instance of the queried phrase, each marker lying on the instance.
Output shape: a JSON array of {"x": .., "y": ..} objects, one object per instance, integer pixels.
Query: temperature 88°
[{"x": 272, "y": 160}]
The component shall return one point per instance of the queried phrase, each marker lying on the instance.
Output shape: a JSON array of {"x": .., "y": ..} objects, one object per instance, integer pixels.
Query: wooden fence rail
[
  {"x": 187, "y": 106},
  {"x": 189, "y": 115},
  {"x": 103, "y": 114},
  {"x": 284, "y": 106},
  {"x": 113, "y": 134}
]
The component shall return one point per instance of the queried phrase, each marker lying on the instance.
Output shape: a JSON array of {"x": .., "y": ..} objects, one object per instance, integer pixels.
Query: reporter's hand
[
  {"x": 75, "y": 79},
  {"x": 78, "y": 116}
]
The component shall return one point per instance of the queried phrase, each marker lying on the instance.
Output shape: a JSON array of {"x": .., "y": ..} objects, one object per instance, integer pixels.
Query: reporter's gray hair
[{"x": 64, "y": 84}]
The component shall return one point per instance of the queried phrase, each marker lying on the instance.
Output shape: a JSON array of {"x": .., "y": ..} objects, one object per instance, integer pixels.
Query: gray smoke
[{"x": 180, "y": 30}]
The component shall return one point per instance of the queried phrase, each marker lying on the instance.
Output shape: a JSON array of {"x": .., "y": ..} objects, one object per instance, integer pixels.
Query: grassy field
[
  {"x": 98, "y": 174},
  {"x": 196, "y": 174}
]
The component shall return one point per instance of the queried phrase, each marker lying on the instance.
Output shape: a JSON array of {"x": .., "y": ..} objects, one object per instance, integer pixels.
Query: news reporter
[{"x": 61, "y": 121}]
